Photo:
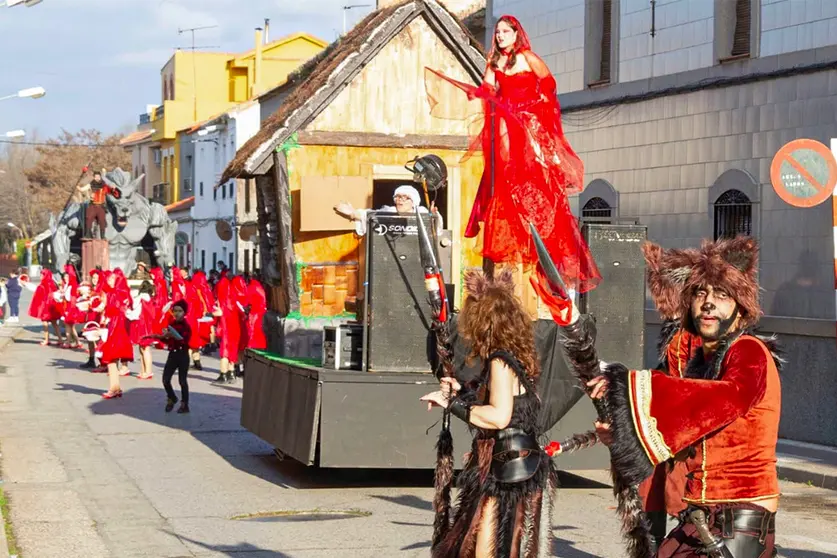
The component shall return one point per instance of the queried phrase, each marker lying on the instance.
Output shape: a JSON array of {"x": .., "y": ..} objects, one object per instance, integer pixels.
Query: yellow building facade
[{"x": 198, "y": 85}]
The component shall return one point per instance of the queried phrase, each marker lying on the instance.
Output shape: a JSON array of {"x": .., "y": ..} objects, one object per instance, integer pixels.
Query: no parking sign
[{"x": 804, "y": 173}]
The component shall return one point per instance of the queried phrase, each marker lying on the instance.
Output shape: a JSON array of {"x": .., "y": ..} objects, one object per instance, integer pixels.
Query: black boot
[
  {"x": 220, "y": 380},
  {"x": 91, "y": 363},
  {"x": 230, "y": 378},
  {"x": 239, "y": 372},
  {"x": 196, "y": 364}
]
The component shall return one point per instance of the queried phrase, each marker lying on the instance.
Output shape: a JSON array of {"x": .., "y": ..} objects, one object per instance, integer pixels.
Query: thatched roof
[{"x": 315, "y": 84}]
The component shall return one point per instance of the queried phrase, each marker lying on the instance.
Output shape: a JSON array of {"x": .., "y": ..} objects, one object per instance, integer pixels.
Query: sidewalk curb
[
  {"x": 5, "y": 341},
  {"x": 820, "y": 480}
]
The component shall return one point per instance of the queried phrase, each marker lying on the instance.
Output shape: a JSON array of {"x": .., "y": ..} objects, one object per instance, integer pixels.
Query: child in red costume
[
  {"x": 142, "y": 324},
  {"x": 201, "y": 319},
  {"x": 117, "y": 346},
  {"x": 46, "y": 307},
  {"x": 176, "y": 337},
  {"x": 257, "y": 302}
]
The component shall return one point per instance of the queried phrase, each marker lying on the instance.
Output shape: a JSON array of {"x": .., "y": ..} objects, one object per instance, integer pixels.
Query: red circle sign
[{"x": 804, "y": 173}]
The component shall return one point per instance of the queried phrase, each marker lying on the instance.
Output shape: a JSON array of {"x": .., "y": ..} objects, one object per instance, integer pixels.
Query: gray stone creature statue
[{"x": 129, "y": 218}]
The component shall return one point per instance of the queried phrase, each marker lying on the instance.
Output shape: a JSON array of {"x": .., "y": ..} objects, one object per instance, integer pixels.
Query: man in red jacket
[{"x": 95, "y": 212}]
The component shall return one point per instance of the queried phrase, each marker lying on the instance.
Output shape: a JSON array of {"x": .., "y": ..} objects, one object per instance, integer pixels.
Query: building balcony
[{"x": 149, "y": 117}]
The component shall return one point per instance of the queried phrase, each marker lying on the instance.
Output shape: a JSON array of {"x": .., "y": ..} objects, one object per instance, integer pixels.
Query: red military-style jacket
[{"x": 730, "y": 421}]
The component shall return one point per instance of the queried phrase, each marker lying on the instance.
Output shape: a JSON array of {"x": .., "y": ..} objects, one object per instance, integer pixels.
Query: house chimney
[
  {"x": 266, "y": 30},
  {"x": 257, "y": 70}
]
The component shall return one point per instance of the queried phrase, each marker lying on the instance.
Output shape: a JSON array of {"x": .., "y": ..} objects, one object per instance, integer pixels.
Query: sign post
[{"x": 804, "y": 174}]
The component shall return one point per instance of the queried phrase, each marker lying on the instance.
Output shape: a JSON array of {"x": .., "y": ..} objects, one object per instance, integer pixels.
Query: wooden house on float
[{"x": 345, "y": 124}]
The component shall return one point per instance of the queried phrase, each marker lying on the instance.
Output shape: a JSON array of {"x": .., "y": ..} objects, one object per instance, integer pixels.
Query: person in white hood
[{"x": 405, "y": 199}]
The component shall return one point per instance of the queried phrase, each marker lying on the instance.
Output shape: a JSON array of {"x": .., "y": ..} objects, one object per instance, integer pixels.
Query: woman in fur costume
[{"x": 507, "y": 481}]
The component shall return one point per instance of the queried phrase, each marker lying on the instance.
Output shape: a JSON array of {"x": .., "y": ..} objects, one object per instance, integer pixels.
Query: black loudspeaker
[
  {"x": 618, "y": 303},
  {"x": 397, "y": 335}
]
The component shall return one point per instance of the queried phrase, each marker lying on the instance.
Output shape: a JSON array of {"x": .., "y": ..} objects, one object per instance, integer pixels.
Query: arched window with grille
[
  {"x": 597, "y": 210},
  {"x": 733, "y": 215}
]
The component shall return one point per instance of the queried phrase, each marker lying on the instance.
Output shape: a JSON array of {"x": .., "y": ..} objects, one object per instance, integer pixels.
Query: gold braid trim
[{"x": 645, "y": 424}]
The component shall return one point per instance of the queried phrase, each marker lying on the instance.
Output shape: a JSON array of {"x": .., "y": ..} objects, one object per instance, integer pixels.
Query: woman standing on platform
[
  {"x": 507, "y": 481},
  {"x": 530, "y": 167},
  {"x": 45, "y": 307}
]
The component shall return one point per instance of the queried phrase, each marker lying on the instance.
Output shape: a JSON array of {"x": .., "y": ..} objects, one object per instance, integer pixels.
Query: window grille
[
  {"x": 597, "y": 210},
  {"x": 733, "y": 215}
]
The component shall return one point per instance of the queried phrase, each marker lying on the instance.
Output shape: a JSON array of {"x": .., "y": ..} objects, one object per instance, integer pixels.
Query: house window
[
  {"x": 223, "y": 191},
  {"x": 736, "y": 23},
  {"x": 201, "y": 189},
  {"x": 203, "y": 260},
  {"x": 247, "y": 185},
  {"x": 733, "y": 213},
  {"x": 214, "y": 260},
  {"x": 601, "y": 31},
  {"x": 256, "y": 259},
  {"x": 215, "y": 193},
  {"x": 232, "y": 263},
  {"x": 232, "y": 190},
  {"x": 597, "y": 210},
  {"x": 246, "y": 260}
]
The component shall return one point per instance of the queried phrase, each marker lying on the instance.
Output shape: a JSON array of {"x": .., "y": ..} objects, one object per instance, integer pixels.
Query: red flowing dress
[
  {"x": 145, "y": 322},
  {"x": 530, "y": 169}
]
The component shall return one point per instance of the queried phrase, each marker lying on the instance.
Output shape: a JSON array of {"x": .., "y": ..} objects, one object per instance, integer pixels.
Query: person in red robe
[
  {"x": 721, "y": 418},
  {"x": 201, "y": 307},
  {"x": 257, "y": 301},
  {"x": 46, "y": 307},
  {"x": 142, "y": 324},
  {"x": 72, "y": 314},
  {"x": 530, "y": 167},
  {"x": 117, "y": 346},
  {"x": 230, "y": 320}
]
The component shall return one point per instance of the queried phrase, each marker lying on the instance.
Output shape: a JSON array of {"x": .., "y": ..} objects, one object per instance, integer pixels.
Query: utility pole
[{"x": 195, "y": 65}]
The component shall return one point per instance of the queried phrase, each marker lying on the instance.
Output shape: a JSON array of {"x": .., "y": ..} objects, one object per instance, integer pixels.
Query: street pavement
[{"x": 88, "y": 477}]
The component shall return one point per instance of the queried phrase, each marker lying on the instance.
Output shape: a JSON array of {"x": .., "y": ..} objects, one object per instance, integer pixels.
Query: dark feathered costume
[{"x": 523, "y": 526}]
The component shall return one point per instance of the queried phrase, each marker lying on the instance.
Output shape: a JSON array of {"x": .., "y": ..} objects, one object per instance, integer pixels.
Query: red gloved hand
[{"x": 559, "y": 307}]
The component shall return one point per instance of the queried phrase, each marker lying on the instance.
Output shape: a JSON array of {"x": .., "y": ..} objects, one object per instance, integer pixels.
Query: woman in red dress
[
  {"x": 201, "y": 310},
  {"x": 229, "y": 329},
  {"x": 143, "y": 319},
  {"x": 72, "y": 314},
  {"x": 530, "y": 168},
  {"x": 257, "y": 300},
  {"x": 45, "y": 307},
  {"x": 117, "y": 347}
]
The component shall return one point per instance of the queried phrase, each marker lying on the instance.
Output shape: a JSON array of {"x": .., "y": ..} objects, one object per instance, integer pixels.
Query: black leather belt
[
  {"x": 756, "y": 522},
  {"x": 517, "y": 455}
]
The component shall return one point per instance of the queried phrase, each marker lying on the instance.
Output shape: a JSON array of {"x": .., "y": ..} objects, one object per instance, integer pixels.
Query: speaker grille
[
  {"x": 618, "y": 303},
  {"x": 398, "y": 315}
]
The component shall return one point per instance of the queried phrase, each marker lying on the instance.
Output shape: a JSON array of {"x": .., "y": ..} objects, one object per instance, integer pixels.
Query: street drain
[{"x": 301, "y": 515}]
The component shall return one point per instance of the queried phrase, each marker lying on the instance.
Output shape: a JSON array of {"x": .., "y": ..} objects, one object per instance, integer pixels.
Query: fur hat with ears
[
  {"x": 729, "y": 264},
  {"x": 666, "y": 272}
]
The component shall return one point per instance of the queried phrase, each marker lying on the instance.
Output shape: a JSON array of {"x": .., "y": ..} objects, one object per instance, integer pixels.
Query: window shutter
[
  {"x": 604, "y": 68},
  {"x": 741, "y": 39}
]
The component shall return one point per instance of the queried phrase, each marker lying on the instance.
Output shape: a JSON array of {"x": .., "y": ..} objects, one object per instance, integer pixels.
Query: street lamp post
[
  {"x": 347, "y": 8},
  {"x": 29, "y": 93},
  {"x": 13, "y": 3}
]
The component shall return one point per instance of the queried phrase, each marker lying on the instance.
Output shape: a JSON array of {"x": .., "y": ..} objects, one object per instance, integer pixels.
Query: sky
[{"x": 100, "y": 60}]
